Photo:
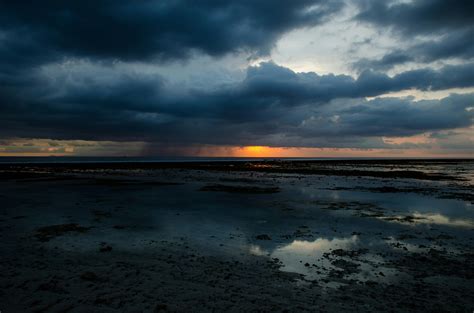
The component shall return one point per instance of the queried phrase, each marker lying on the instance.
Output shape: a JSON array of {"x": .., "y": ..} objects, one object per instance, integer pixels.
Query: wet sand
[{"x": 261, "y": 236}]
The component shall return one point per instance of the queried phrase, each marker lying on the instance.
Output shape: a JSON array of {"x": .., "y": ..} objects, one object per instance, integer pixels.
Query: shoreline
[{"x": 391, "y": 169}]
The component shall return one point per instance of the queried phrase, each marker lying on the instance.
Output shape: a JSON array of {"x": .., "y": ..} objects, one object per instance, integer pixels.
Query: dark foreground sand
[{"x": 141, "y": 238}]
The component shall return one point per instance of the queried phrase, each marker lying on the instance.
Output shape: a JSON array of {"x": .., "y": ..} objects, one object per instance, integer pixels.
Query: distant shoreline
[
  {"x": 151, "y": 160},
  {"x": 379, "y": 168}
]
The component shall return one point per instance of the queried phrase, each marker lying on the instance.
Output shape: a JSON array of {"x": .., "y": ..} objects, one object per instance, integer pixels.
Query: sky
[{"x": 270, "y": 78}]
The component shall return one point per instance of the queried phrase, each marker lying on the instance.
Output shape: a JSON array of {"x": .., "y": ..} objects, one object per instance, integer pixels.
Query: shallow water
[{"x": 310, "y": 218}]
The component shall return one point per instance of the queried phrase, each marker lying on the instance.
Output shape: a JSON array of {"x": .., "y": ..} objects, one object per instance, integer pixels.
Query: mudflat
[{"x": 253, "y": 236}]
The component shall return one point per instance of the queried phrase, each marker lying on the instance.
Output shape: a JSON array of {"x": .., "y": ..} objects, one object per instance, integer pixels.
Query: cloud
[
  {"x": 398, "y": 116},
  {"x": 272, "y": 105},
  {"x": 108, "y": 71},
  {"x": 456, "y": 45},
  {"x": 419, "y": 17},
  {"x": 269, "y": 86},
  {"x": 105, "y": 29},
  {"x": 434, "y": 29},
  {"x": 46, "y": 147}
]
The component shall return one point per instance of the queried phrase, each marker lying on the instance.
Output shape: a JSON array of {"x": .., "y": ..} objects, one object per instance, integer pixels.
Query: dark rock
[
  {"x": 49, "y": 232},
  {"x": 105, "y": 247},
  {"x": 240, "y": 189},
  {"x": 160, "y": 307},
  {"x": 89, "y": 276}
]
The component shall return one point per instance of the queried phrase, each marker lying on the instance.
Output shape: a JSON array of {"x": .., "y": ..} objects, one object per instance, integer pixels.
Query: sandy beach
[{"x": 254, "y": 236}]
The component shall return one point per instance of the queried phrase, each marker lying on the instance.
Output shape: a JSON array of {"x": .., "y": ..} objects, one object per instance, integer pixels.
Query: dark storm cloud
[
  {"x": 34, "y": 33},
  {"x": 451, "y": 23},
  {"x": 457, "y": 45},
  {"x": 385, "y": 63},
  {"x": 418, "y": 17},
  {"x": 404, "y": 116},
  {"x": 272, "y": 105},
  {"x": 39, "y": 31},
  {"x": 265, "y": 89},
  {"x": 270, "y": 85},
  {"x": 70, "y": 70}
]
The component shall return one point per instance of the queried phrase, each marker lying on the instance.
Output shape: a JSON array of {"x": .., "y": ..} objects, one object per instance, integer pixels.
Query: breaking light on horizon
[{"x": 64, "y": 148}]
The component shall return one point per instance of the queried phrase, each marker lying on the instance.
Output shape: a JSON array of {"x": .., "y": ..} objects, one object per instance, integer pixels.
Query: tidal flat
[{"x": 238, "y": 236}]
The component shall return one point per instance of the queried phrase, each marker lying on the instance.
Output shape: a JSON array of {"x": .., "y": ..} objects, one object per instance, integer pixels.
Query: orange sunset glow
[{"x": 40, "y": 147}]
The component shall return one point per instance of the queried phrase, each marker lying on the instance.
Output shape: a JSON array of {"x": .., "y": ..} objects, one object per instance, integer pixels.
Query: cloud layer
[
  {"x": 152, "y": 29},
  {"x": 444, "y": 30},
  {"x": 94, "y": 71},
  {"x": 273, "y": 105}
]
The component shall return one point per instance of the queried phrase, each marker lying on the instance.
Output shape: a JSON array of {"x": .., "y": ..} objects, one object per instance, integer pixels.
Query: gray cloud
[
  {"x": 273, "y": 105},
  {"x": 36, "y": 32},
  {"x": 448, "y": 23},
  {"x": 456, "y": 45},
  {"x": 105, "y": 96},
  {"x": 419, "y": 17}
]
